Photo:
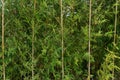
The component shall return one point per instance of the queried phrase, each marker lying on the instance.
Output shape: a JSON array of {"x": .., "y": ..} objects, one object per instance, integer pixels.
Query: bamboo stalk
[
  {"x": 115, "y": 25},
  {"x": 89, "y": 43},
  {"x": 33, "y": 37},
  {"x": 62, "y": 41},
  {"x": 33, "y": 50},
  {"x": 3, "y": 6}
]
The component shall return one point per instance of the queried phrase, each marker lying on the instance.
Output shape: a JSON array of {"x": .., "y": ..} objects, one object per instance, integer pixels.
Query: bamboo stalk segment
[
  {"x": 89, "y": 35},
  {"x": 3, "y": 31},
  {"x": 62, "y": 41}
]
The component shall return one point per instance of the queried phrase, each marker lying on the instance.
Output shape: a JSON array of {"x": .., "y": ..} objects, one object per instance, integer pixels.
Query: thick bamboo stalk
[
  {"x": 89, "y": 43},
  {"x": 3, "y": 6},
  {"x": 62, "y": 41}
]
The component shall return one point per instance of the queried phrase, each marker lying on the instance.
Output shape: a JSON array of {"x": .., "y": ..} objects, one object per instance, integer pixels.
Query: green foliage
[
  {"x": 19, "y": 19},
  {"x": 105, "y": 73},
  {"x": 86, "y": 57}
]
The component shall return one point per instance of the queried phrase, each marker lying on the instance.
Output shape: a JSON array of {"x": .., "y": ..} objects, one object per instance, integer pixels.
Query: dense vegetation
[{"x": 33, "y": 40}]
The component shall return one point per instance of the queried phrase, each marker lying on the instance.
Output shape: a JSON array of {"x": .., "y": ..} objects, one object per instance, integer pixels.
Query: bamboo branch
[
  {"x": 62, "y": 42},
  {"x": 89, "y": 34},
  {"x": 3, "y": 6}
]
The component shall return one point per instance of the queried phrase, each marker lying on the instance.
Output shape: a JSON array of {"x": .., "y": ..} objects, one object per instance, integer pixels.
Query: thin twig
[{"x": 3, "y": 6}]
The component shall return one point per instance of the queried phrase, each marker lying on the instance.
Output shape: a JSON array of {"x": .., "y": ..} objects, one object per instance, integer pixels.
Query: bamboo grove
[{"x": 60, "y": 40}]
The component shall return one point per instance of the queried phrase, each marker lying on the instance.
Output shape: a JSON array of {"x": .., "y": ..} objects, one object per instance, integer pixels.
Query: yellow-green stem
[
  {"x": 33, "y": 37},
  {"x": 114, "y": 42}
]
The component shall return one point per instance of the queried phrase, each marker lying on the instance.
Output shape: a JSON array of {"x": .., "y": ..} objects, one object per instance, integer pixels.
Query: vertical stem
[
  {"x": 3, "y": 6},
  {"x": 62, "y": 42},
  {"x": 33, "y": 36},
  {"x": 116, "y": 8},
  {"x": 33, "y": 50},
  {"x": 89, "y": 39}
]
